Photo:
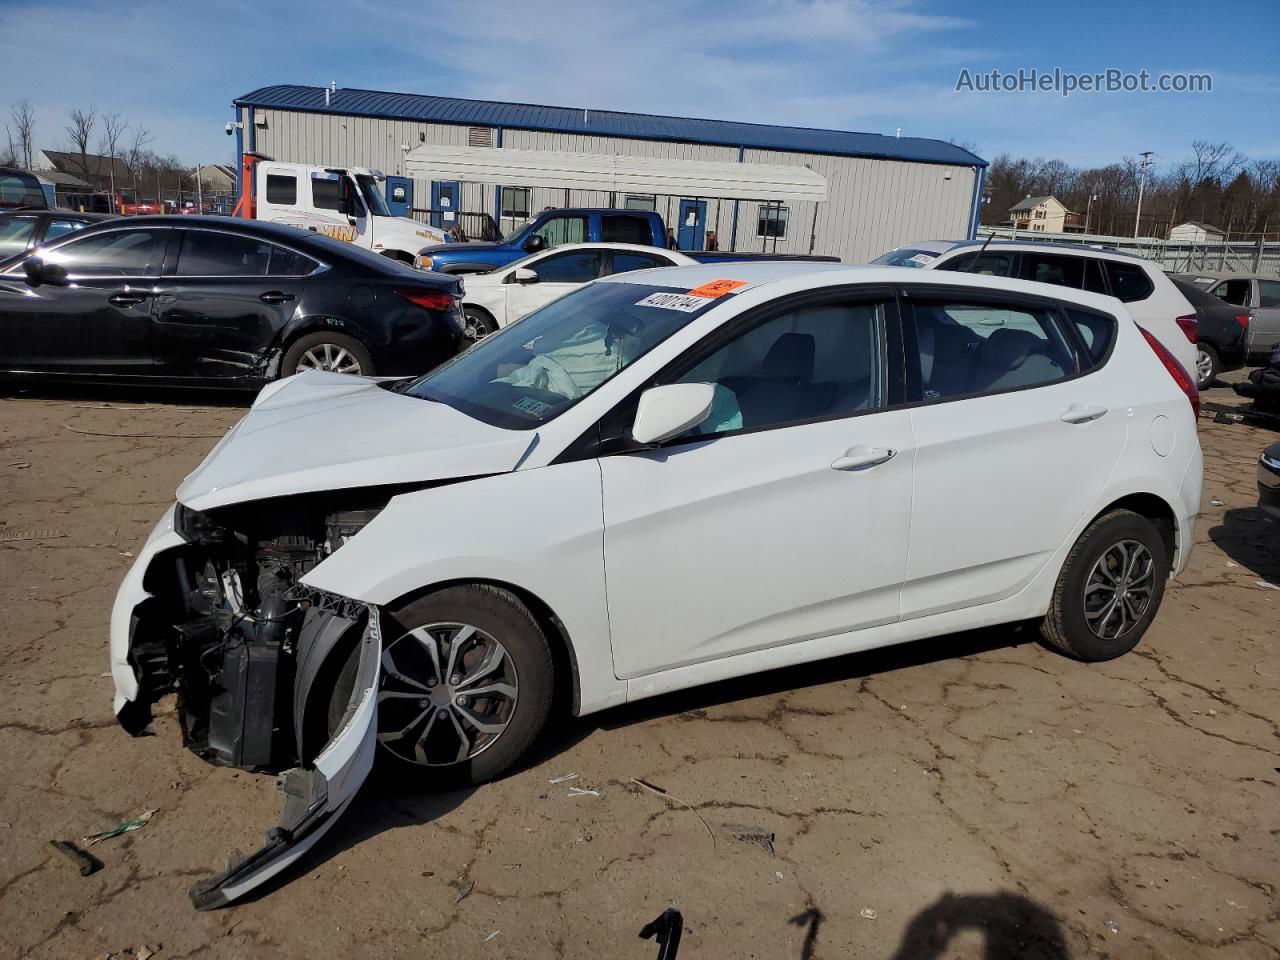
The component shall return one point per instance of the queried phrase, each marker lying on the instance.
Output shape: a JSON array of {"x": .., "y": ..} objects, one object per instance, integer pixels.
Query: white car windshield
[{"x": 533, "y": 370}]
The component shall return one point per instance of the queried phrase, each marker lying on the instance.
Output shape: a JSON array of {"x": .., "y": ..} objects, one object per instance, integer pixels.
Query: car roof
[
  {"x": 1058, "y": 246},
  {"x": 610, "y": 245},
  {"x": 1221, "y": 275},
  {"x": 757, "y": 275}
]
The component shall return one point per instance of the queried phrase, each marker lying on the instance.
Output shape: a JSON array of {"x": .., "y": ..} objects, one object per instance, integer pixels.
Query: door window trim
[
  {"x": 913, "y": 294},
  {"x": 892, "y": 360},
  {"x": 170, "y": 265}
]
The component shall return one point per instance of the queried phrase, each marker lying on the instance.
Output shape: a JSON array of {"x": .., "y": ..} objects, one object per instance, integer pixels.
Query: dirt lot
[{"x": 968, "y": 794}]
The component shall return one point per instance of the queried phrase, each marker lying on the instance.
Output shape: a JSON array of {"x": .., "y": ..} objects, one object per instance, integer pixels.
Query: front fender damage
[{"x": 316, "y": 793}]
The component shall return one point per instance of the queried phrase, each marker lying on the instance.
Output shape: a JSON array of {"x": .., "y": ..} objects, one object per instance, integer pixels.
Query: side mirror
[
  {"x": 524, "y": 275},
  {"x": 666, "y": 412},
  {"x": 534, "y": 243},
  {"x": 39, "y": 271}
]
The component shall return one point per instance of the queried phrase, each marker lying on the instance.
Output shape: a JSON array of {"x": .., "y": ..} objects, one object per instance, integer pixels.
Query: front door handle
[
  {"x": 275, "y": 296},
  {"x": 1083, "y": 413},
  {"x": 855, "y": 458},
  {"x": 130, "y": 298}
]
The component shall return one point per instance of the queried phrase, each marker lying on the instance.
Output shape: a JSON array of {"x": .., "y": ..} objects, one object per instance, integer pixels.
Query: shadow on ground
[
  {"x": 1014, "y": 927},
  {"x": 1251, "y": 538}
]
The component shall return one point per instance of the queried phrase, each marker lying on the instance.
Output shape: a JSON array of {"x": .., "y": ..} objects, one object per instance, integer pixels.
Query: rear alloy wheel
[
  {"x": 478, "y": 324},
  {"x": 1207, "y": 366},
  {"x": 1109, "y": 589},
  {"x": 331, "y": 352},
  {"x": 466, "y": 684}
]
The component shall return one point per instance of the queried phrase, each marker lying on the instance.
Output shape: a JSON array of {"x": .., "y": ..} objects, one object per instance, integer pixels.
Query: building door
[
  {"x": 693, "y": 221},
  {"x": 400, "y": 196},
  {"x": 444, "y": 198}
]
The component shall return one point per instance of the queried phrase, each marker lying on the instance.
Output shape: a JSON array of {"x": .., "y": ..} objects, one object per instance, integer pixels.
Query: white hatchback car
[
  {"x": 499, "y": 297},
  {"x": 665, "y": 478},
  {"x": 1144, "y": 289}
]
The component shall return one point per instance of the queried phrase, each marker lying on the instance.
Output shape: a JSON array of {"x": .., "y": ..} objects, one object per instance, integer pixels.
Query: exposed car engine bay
[{"x": 262, "y": 665}]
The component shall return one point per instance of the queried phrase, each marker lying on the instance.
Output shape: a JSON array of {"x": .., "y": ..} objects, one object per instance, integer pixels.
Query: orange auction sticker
[{"x": 717, "y": 288}]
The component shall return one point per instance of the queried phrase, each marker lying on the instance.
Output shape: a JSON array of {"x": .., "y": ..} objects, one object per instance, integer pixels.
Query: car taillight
[
  {"x": 427, "y": 299},
  {"x": 1180, "y": 376},
  {"x": 1189, "y": 325},
  {"x": 1242, "y": 319}
]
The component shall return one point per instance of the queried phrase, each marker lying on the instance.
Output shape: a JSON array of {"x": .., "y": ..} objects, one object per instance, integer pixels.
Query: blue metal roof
[{"x": 524, "y": 116}]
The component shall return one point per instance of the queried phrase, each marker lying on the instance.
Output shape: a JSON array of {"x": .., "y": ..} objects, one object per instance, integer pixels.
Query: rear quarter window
[
  {"x": 1129, "y": 282},
  {"x": 1096, "y": 330}
]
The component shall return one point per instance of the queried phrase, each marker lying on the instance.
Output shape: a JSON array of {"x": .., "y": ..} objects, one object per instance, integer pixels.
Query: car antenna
[{"x": 977, "y": 255}]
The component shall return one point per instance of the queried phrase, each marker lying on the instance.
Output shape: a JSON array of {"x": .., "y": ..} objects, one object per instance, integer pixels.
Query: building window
[
  {"x": 515, "y": 203},
  {"x": 637, "y": 202},
  {"x": 771, "y": 221}
]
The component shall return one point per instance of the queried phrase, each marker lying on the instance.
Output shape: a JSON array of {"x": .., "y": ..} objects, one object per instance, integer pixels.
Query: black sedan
[
  {"x": 22, "y": 229},
  {"x": 1222, "y": 335},
  {"x": 216, "y": 301}
]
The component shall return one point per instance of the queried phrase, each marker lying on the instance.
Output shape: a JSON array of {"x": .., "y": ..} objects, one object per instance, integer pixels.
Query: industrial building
[{"x": 852, "y": 195}]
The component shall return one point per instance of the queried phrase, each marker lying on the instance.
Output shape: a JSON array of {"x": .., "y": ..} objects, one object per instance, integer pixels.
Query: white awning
[{"x": 622, "y": 174}]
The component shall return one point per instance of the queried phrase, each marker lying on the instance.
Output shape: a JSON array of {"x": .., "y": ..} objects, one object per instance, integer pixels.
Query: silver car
[{"x": 1259, "y": 295}]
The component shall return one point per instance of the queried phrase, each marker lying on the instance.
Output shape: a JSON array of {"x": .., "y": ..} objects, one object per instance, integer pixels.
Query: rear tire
[
  {"x": 1109, "y": 589},
  {"x": 335, "y": 352},
  {"x": 1208, "y": 366},
  {"x": 492, "y": 620}
]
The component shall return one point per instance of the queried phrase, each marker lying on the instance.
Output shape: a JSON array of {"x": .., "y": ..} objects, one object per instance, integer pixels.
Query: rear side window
[
  {"x": 286, "y": 263},
  {"x": 282, "y": 189},
  {"x": 987, "y": 264},
  {"x": 626, "y": 262},
  {"x": 1269, "y": 293},
  {"x": 1233, "y": 291},
  {"x": 15, "y": 234},
  {"x": 626, "y": 230},
  {"x": 576, "y": 266},
  {"x": 970, "y": 349},
  {"x": 1097, "y": 330},
  {"x": 1055, "y": 268},
  {"x": 206, "y": 254},
  {"x": 1129, "y": 282},
  {"x": 1094, "y": 282},
  {"x": 58, "y": 228}
]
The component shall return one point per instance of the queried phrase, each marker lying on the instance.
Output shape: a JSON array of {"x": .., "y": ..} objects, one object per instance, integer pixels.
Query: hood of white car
[{"x": 330, "y": 431}]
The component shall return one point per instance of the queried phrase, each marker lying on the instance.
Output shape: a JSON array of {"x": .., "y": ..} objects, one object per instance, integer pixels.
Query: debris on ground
[
  {"x": 666, "y": 929},
  {"x": 566, "y": 777},
  {"x": 122, "y": 827},
  {"x": 583, "y": 792},
  {"x": 1269, "y": 586},
  {"x": 759, "y": 837},
  {"x": 867, "y": 913},
  {"x": 140, "y": 952},
  {"x": 20, "y": 464},
  {"x": 1113, "y": 926},
  {"x": 85, "y": 861},
  {"x": 1217, "y": 503},
  {"x": 492, "y": 935},
  {"x": 653, "y": 788},
  {"x": 465, "y": 893},
  {"x": 17, "y": 535}
]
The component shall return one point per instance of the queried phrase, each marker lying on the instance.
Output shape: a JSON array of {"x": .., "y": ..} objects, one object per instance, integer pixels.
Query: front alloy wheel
[
  {"x": 449, "y": 691},
  {"x": 1118, "y": 591}
]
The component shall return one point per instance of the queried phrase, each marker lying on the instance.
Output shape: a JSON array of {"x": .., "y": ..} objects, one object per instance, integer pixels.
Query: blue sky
[{"x": 847, "y": 64}]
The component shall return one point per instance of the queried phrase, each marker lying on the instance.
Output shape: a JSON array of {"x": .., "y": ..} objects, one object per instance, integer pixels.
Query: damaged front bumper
[{"x": 254, "y": 695}]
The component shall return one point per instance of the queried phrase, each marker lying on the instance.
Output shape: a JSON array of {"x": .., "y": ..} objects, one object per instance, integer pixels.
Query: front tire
[
  {"x": 479, "y": 324},
  {"x": 334, "y": 352},
  {"x": 1208, "y": 366},
  {"x": 1109, "y": 589},
  {"x": 466, "y": 687}
]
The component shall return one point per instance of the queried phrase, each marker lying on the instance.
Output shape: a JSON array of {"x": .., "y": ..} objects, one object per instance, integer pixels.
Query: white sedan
[
  {"x": 662, "y": 479},
  {"x": 502, "y": 296}
]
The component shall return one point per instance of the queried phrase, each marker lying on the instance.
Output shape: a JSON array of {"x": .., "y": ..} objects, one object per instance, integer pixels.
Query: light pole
[
  {"x": 1146, "y": 162},
  {"x": 1088, "y": 211}
]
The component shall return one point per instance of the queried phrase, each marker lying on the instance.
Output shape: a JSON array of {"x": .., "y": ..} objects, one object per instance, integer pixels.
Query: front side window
[
  {"x": 533, "y": 370},
  {"x": 813, "y": 363},
  {"x": 15, "y": 235},
  {"x": 575, "y": 266},
  {"x": 967, "y": 349},
  {"x": 561, "y": 230},
  {"x": 1233, "y": 291},
  {"x": 118, "y": 253},
  {"x": 1129, "y": 282},
  {"x": 282, "y": 189},
  {"x": 326, "y": 191},
  {"x": 1269, "y": 294},
  {"x": 772, "y": 221},
  {"x": 515, "y": 203},
  {"x": 616, "y": 229},
  {"x": 988, "y": 264},
  {"x": 626, "y": 262},
  {"x": 207, "y": 254}
]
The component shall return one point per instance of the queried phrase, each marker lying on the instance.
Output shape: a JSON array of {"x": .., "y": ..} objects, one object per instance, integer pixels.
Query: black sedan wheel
[
  {"x": 1207, "y": 366},
  {"x": 332, "y": 352}
]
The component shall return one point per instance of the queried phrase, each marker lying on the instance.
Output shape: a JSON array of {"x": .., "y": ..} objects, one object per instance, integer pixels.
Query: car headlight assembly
[
  {"x": 200, "y": 528},
  {"x": 422, "y": 262}
]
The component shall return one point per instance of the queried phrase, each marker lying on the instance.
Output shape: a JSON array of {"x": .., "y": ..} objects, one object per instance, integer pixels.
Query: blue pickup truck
[{"x": 551, "y": 228}]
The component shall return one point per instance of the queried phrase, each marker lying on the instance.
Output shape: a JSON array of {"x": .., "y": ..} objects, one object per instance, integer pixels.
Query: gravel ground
[{"x": 970, "y": 796}]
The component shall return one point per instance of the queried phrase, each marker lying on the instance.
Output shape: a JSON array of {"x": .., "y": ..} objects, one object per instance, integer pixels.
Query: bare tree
[
  {"x": 24, "y": 126},
  {"x": 80, "y": 131},
  {"x": 113, "y": 128},
  {"x": 136, "y": 155}
]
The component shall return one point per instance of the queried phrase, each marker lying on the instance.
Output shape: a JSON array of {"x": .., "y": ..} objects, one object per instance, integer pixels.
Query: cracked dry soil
[{"x": 971, "y": 796}]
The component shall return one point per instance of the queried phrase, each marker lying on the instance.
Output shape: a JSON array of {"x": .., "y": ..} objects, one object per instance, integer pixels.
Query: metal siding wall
[{"x": 873, "y": 205}]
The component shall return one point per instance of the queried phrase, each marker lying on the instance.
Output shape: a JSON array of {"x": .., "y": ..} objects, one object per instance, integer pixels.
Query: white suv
[
  {"x": 1150, "y": 296},
  {"x": 773, "y": 463}
]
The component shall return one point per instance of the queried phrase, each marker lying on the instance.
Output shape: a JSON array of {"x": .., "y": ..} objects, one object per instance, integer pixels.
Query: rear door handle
[
  {"x": 1083, "y": 413},
  {"x": 275, "y": 296},
  {"x": 861, "y": 456},
  {"x": 130, "y": 299}
]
